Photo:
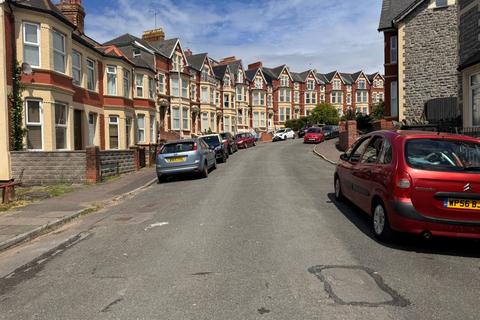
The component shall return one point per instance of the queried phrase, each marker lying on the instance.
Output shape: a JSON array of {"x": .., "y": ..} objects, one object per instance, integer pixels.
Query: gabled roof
[
  {"x": 167, "y": 47},
  {"x": 393, "y": 9},
  {"x": 296, "y": 77},
  {"x": 372, "y": 76},
  {"x": 196, "y": 61},
  {"x": 322, "y": 79},
  {"x": 113, "y": 52},
  {"x": 252, "y": 73},
  {"x": 45, "y": 6},
  {"x": 304, "y": 75},
  {"x": 235, "y": 65},
  {"x": 220, "y": 71},
  {"x": 275, "y": 73},
  {"x": 347, "y": 78},
  {"x": 329, "y": 76}
]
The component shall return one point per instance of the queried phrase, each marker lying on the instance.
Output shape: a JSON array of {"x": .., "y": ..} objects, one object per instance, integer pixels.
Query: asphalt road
[{"x": 261, "y": 238}]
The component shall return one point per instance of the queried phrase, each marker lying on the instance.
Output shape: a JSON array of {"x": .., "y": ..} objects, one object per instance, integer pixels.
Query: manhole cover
[{"x": 354, "y": 285}]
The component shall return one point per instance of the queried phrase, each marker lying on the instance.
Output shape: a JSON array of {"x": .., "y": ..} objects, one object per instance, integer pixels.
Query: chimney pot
[
  {"x": 74, "y": 12},
  {"x": 255, "y": 65}
]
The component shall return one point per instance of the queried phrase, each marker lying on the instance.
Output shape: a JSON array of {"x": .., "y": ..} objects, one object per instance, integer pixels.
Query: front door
[{"x": 77, "y": 130}]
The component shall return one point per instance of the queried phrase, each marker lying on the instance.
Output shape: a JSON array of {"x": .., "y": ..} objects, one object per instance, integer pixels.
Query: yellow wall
[{"x": 4, "y": 143}]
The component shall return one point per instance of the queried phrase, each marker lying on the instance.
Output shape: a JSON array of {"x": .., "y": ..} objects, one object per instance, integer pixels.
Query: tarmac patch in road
[{"x": 356, "y": 285}]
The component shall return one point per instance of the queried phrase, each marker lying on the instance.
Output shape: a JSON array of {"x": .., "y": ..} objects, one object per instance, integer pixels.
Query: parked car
[
  {"x": 284, "y": 134},
  {"x": 314, "y": 135},
  {"x": 229, "y": 139},
  {"x": 215, "y": 142},
  {"x": 184, "y": 156},
  {"x": 303, "y": 130},
  {"x": 416, "y": 182},
  {"x": 330, "y": 132},
  {"x": 245, "y": 140}
]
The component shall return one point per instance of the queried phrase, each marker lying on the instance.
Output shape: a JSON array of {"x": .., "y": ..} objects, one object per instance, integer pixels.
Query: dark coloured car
[
  {"x": 215, "y": 142},
  {"x": 330, "y": 132},
  {"x": 416, "y": 182},
  {"x": 229, "y": 139},
  {"x": 245, "y": 140},
  {"x": 184, "y": 156},
  {"x": 303, "y": 130}
]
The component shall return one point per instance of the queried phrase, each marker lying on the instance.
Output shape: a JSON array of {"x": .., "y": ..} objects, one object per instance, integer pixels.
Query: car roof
[
  {"x": 423, "y": 134},
  {"x": 209, "y": 135},
  {"x": 181, "y": 141}
]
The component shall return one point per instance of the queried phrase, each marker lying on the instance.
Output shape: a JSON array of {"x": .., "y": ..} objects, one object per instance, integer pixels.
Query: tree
[
  {"x": 296, "y": 124},
  {"x": 324, "y": 113},
  {"x": 378, "y": 111}
]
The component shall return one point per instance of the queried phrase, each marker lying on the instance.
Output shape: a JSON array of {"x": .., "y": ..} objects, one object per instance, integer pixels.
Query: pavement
[
  {"x": 261, "y": 238},
  {"x": 28, "y": 222},
  {"x": 328, "y": 151}
]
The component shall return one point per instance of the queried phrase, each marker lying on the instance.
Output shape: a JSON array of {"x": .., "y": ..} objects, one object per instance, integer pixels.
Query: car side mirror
[{"x": 344, "y": 157}]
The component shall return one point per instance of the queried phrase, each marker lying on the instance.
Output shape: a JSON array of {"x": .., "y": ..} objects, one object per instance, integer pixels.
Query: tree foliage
[
  {"x": 378, "y": 111},
  {"x": 324, "y": 113},
  {"x": 16, "y": 112}
]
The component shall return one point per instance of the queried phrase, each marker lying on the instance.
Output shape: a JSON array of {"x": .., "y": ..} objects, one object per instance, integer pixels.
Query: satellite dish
[{"x": 27, "y": 69}]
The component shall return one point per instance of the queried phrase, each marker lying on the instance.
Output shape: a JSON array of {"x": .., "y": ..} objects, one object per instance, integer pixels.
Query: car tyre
[
  {"x": 204, "y": 173},
  {"x": 380, "y": 223},
  {"x": 338, "y": 190},
  {"x": 161, "y": 179}
]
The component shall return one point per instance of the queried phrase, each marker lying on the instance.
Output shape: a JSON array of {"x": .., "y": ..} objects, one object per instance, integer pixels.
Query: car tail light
[
  {"x": 195, "y": 147},
  {"x": 403, "y": 185}
]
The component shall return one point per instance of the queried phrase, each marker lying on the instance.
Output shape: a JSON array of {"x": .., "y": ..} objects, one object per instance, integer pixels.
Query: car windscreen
[
  {"x": 211, "y": 141},
  {"x": 241, "y": 136},
  {"x": 224, "y": 135},
  {"x": 452, "y": 155},
  {"x": 178, "y": 147},
  {"x": 314, "y": 130}
]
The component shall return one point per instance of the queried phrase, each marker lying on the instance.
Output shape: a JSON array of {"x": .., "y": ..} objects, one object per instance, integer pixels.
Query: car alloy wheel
[{"x": 381, "y": 225}]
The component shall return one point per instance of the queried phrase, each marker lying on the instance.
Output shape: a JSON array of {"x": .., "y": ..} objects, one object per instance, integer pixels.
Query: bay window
[
  {"x": 112, "y": 80},
  {"x": 204, "y": 95},
  {"x": 31, "y": 44},
  {"x": 184, "y": 88},
  {"x": 58, "y": 51},
  {"x": 262, "y": 119},
  {"x": 204, "y": 121},
  {"x": 175, "y": 88},
  {"x": 161, "y": 83},
  {"x": 226, "y": 101},
  {"x": 151, "y": 88},
  {"x": 126, "y": 83},
  {"x": 34, "y": 124},
  {"x": 185, "y": 119},
  {"x": 239, "y": 94},
  {"x": 176, "y": 118},
  {"x": 213, "y": 121},
  {"x": 139, "y": 85},
  {"x": 227, "y": 124},
  {"x": 256, "y": 119}
]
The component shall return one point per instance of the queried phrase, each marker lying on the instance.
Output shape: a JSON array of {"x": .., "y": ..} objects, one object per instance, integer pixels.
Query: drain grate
[{"x": 356, "y": 285}]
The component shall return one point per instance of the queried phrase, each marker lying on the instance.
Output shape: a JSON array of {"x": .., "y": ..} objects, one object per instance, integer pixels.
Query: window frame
[
  {"x": 141, "y": 129},
  {"x": 126, "y": 83},
  {"x": 394, "y": 49},
  {"x": 117, "y": 124},
  {"x": 77, "y": 68},
  {"x": 109, "y": 73},
  {"x": 32, "y": 44},
  {"x": 58, "y": 51},
  {"x": 63, "y": 126},
  {"x": 35, "y": 124},
  {"x": 92, "y": 70}
]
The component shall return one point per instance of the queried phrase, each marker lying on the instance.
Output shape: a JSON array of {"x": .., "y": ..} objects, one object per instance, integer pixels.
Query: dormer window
[
  {"x": 337, "y": 84},
  {"x": 284, "y": 81},
  {"x": 362, "y": 85},
  {"x": 310, "y": 85},
  {"x": 137, "y": 53},
  {"x": 258, "y": 83},
  {"x": 240, "y": 76}
]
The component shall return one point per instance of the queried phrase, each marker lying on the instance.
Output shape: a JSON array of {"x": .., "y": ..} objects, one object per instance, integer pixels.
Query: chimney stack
[
  {"x": 188, "y": 52},
  {"x": 154, "y": 37},
  {"x": 255, "y": 65},
  {"x": 74, "y": 12},
  {"x": 228, "y": 60}
]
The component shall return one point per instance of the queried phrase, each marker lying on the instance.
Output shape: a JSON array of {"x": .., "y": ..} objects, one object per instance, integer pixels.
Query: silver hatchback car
[{"x": 185, "y": 156}]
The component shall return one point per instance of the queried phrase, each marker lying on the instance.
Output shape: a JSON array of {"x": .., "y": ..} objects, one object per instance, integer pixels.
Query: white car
[{"x": 284, "y": 134}]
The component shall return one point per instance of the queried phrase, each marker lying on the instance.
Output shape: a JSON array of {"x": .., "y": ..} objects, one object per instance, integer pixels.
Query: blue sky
[{"x": 304, "y": 34}]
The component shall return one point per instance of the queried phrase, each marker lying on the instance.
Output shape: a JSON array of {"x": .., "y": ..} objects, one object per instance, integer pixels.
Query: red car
[
  {"x": 314, "y": 135},
  {"x": 245, "y": 140},
  {"x": 415, "y": 182}
]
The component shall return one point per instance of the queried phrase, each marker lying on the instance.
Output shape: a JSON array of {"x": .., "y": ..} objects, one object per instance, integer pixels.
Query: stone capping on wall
[{"x": 48, "y": 167}]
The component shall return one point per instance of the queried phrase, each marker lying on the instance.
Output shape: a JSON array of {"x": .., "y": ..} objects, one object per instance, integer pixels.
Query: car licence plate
[
  {"x": 466, "y": 204},
  {"x": 176, "y": 159}
]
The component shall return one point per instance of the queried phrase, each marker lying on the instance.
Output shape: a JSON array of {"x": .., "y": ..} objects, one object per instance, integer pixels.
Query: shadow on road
[{"x": 407, "y": 242}]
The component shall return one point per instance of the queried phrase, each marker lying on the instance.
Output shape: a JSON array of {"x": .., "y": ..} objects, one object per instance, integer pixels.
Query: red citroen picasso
[{"x": 423, "y": 183}]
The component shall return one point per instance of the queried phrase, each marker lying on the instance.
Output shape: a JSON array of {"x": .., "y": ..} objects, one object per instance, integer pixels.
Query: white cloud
[{"x": 321, "y": 34}]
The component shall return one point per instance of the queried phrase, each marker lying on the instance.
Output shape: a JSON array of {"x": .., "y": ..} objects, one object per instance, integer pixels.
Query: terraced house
[{"x": 132, "y": 91}]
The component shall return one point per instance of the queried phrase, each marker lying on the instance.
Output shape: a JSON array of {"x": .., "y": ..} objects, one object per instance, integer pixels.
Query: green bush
[
  {"x": 349, "y": 115},
  {"x": 324, "y": 113},
  {"x": 296, "y": 124},
  {"x": 378, "y": 111},
  {"x": 364, "y": 122}
]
